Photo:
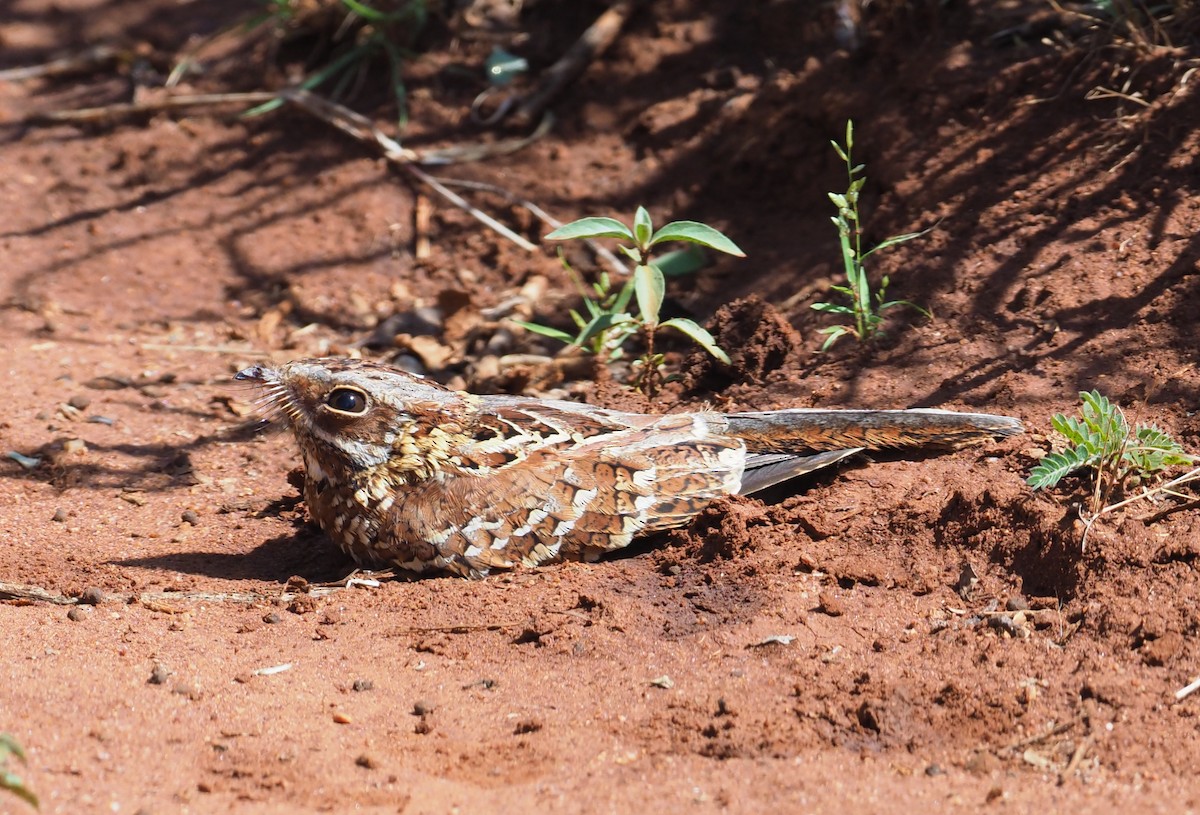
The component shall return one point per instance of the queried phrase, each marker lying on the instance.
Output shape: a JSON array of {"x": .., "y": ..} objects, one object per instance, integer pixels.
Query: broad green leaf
[
  {"x": 594, "y": 227},
  {"x": 696, "y": 232},
  {"x": 642, "y": 228},
  {"x": 699, "y": 334},
  {"x": 650, "y": 288},
  {"x": 831, "y": 308},
  {"x": 680, "y": 262},
  {"x": 547, "y": 331},
  {"x": 631, "y": 252}
]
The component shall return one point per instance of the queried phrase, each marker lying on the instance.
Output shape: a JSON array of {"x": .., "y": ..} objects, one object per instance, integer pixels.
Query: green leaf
[
  {"x": 1051, "y": 469},
  {"x": 10, "y": 746},
  {"x": 365, "y": 11},
  {"x": 650, "y": 288},
  {"x": 621, "y": 304},
  {"x": 834, "y": 333},
  {"x": 16, "y": 785},
  {"x": 680, "y": 262},
  {"x": 642, "y": 228},
  {"x": 547, "y": 331},
  {"x": 696, "y": 232},
  {"x": 831, "y": 308},
  {"x": 599, "y": 325},
  {"x": 896, "y": 239},
  {"x": 631, "y": 252},
  {"x": 699, "y": 334},
  {"x": 837, "y": 148},
  {"x": 595, "y": 227}
]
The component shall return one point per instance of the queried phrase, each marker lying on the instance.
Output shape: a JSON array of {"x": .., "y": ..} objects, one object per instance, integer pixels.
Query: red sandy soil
[{"x": 894, "y": 635}]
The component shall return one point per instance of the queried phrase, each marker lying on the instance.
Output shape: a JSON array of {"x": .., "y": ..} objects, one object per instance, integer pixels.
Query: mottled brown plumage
[{"x": 400, "y": 470}]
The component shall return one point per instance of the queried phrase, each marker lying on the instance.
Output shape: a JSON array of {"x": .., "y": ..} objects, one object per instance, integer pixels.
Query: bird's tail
[{"x": 802, "y": 431}]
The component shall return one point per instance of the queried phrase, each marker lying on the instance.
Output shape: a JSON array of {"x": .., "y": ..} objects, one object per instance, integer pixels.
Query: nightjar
[{"x": 402, "y": 471}]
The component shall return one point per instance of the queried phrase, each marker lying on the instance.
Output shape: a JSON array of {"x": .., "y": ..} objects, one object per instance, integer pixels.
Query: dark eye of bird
[{"x": 347, "y": 400}]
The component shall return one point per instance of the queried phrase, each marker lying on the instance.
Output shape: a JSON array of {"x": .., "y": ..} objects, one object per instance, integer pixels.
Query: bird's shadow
[{"x": 305, "y": 553}]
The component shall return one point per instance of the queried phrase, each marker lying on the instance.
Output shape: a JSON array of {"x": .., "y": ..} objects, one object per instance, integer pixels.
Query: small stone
[
  {"x": 423, "y": 727},
  {"x": 78, "y": 614},
  {"x": 527, "y": 726},
  {"x": 270, "y": 618},
  {"x": 830, "y": 604},
  {"x": 934, "y": 770},
  {"x": 59, "y": 516},
  {"x": 74, "y": 446},
  {"x": 361, "y": 685},
  {"x": 79, "y": 401},
  {"x": 92, "y": 596},
  {"x": 158, "y": 676},
  {"x": 190, "y": 517},
  {"x": 341, "y": 718},
  {"x": 1016, "y": 603},
  {"x": 366, "y": 761},
  {"x": 422, "y": 708},
  {"x": 1002, "y": 623}
]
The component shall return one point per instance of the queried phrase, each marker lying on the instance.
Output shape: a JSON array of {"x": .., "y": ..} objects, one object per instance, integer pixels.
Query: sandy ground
[{"x": 895, "y": 635}]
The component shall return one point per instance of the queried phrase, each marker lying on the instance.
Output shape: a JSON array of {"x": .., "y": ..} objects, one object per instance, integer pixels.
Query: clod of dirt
[
  {"x": 361, "y": 685},
  {"x": 158, "y": 676},
  {"x": 828, "y": 603},
  {"x": 527, "y": 726},
  {"x": 757, "y": 338},
  {"x": 366, "y": 761},
  {"x": 422, "y": 708}
]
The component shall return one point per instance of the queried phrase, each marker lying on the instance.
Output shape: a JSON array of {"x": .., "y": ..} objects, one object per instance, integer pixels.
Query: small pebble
[
  {"x": 1017, "y": 603},
  {"x": 79, "y": 401},
  {"x": 92, "y": 596},
  {"x": 362, "y": 685},
  {"x": 271, "y": 618},
  {"x": 341, "y": 718},
  {"x": 159, "y": 675},
  {"x": 422, "y": 708},
  {"x": 190, "y": 517},
  {"x": 934, "y": 769},
  {"x": 366, "y": 761},
  {"x": 60, "y": 515},
  {"x": 78, "y": 614}
]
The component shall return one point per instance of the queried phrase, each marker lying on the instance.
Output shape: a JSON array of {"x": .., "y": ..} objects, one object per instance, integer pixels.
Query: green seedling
[
  {"x": 366, "y": 33},
  {"x": 10, "y": 780},
  {"x": 866, "y": 307},
  {"x": 1100, "y": 440},
  {"x": 609, "y": 322}
]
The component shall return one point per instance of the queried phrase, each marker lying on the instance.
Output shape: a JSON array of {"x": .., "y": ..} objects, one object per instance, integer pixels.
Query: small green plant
[
  {"x": 351, "y": 35},
  {"x": 366, "y": 33},
  {"x": 609, "y": 323},
  {"x": 10, "y": 780},
  {"x": 1101, "y": 440},
  {"x": 866, "y": 307}
]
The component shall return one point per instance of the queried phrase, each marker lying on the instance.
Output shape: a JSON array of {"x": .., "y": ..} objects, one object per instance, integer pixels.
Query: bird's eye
[{"x": 347, "y": 400}]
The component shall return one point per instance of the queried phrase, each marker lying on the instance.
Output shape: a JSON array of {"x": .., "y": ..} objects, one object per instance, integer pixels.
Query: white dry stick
[
  {"x": 274, "y": 669},
  {"x": 1187, "y": 690}
]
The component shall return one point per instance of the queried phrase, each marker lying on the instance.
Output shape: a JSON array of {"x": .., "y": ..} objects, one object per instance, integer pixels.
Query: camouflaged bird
[{"x": 402, "y": 471}]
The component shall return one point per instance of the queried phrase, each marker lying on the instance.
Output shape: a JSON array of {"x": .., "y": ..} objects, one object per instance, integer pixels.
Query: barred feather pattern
[{"x": 402, "y": 471}]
